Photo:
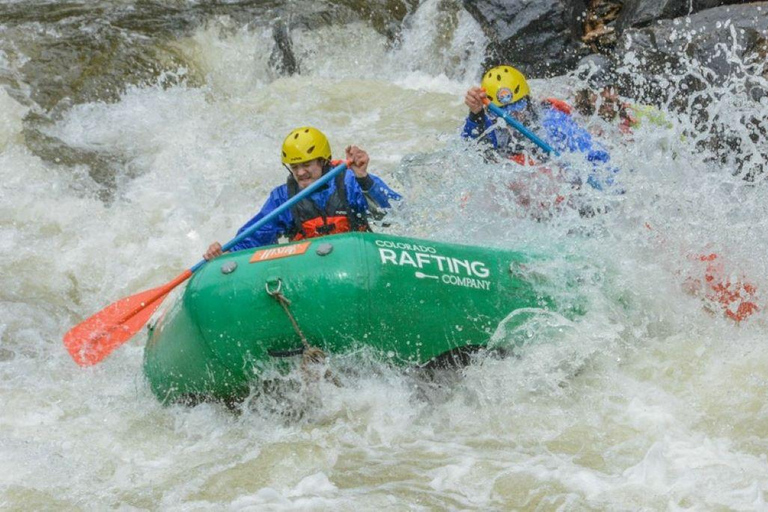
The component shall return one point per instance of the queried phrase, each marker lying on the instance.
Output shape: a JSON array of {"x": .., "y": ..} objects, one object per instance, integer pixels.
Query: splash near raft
[
  {"x": 340, "y": 292},
  {"x": 736, "y": 296}
]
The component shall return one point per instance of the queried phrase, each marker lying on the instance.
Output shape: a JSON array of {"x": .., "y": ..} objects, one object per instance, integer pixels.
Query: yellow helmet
[
  {"x": 505, "y": 85},
  {"x": 305, "y": 144}
]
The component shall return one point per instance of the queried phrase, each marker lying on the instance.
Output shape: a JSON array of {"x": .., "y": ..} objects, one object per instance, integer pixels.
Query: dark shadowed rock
[
  {"x": 548, "y": 37},
  {"x": 694, "y": 62},
  {"x": 637, "y": 13},
  {"x": 606, "y": 20},
  {"x": 385, "y": 16},
  {"x": 714, "y": 42},
  {"x": 283, "y": 60},
  {"x": 81, "y": 51},
  {"x": 542, "y": 37}
]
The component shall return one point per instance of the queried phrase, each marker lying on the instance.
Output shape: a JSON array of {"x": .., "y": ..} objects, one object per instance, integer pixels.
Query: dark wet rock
[
  {"x": 716, "y": 42},
  {"x": 606, "y": 20},
  {"x": 690, "y": 63},
  {"x": 88, "y": 51},
  {"x": 542, "y": 38},
  {"x": 385, "y": 16},
  {"x": 102, "y": 167},
  {"x": 637, "y": 13},
  {"x": 77, "y": 53},
  {"x": 283, "y": 60},
  {"x": 95, "y": 66},
  {"x": 84, "y": 52},
  {"x": 548, "y": 37}
]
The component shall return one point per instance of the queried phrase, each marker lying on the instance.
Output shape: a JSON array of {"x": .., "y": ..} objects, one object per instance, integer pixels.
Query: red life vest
[
  {"x": 311, "y": 221},
  {"x": 737, "y": 297},
  {"x": 523, "y": 159}
]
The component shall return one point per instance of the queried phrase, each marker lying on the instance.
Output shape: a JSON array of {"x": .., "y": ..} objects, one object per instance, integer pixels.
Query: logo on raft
[
  {"x": 279, "y": 252},
  {"x": 450, "y": 270}
]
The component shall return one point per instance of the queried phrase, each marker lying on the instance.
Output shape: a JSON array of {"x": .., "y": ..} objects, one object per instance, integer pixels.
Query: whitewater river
[{"x": 652, "y": 400}]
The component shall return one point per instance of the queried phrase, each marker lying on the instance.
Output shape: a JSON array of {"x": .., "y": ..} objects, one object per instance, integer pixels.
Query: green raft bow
[{"x": 413, "y": 301}]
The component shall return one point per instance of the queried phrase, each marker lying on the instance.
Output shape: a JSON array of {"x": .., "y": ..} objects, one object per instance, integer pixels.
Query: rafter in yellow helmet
[
  {"x": 305, "y": 144},
  {"x": 505, "y": 85}
]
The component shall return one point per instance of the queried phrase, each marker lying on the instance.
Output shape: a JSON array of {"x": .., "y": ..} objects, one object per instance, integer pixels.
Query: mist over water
[{"x": 651, "y": 400}]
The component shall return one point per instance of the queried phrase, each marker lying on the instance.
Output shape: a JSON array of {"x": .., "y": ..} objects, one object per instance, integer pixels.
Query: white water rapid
[{"x": 652, "y": 400}]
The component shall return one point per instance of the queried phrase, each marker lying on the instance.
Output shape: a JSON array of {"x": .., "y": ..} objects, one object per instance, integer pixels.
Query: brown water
[{"x": 133, "y": 134}]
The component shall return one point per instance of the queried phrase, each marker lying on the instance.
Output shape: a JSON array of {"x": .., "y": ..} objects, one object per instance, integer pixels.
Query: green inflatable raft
[{"x": 413, "y": 301}]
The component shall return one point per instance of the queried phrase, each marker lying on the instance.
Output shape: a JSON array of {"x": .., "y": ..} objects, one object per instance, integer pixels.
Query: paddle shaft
[{"x": 517, "y": 125}]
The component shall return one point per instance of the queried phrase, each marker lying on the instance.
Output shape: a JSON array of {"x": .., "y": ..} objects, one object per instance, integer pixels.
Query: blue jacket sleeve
[
  {"x": 473, "y": 130},
  {"x": 375, "y": 189},
  {"x": 564, "y": 134},
  {"x": 267, "y": 234}
]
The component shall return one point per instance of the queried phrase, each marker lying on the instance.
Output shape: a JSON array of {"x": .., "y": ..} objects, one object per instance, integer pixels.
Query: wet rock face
[
  {"x": 541, "y": 37},
  {"x": 283, "y": 59},
  {"x": 689, "y": 63},
  {"x": 548, "y": 37},
  {"x": 716, "y": 41},
  {"x": 637, "y": 13},
  {"x": 85, "y": 51}
]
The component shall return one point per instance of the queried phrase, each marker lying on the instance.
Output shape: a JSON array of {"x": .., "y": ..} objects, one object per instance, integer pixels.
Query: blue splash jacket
[
  {"x": 558, "y": 129},
  {"x": 358, "y": 198}
]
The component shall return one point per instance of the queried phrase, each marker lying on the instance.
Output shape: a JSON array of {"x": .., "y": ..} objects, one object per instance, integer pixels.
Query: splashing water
[{"x": 652, "y": 399}]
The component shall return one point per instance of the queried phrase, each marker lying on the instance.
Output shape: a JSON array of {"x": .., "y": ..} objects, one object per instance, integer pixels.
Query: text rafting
[{"x": 453, "y": 271}]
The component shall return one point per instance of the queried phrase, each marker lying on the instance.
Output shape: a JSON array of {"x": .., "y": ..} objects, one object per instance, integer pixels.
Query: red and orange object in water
[
  {"x": 737, "y": 297},
  {"x": 719, "y": 287}
]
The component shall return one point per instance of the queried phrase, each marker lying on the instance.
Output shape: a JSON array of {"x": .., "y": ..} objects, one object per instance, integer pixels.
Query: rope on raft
[{"x": 310, "y": 354}]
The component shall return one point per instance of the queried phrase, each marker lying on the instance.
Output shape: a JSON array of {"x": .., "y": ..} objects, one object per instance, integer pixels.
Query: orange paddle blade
[{"x": 96, "y": 337}]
